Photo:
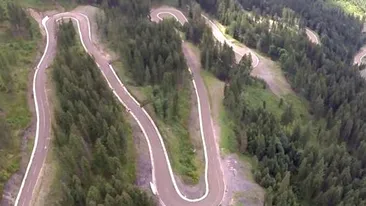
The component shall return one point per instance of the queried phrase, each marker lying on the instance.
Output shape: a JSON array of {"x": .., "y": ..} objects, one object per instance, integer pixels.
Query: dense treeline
[
  {"x": 91, "y": 135},
  {"x": 17, "y": 47},
  {"x": 155, "y": 58},
  {"x": 20, "y": 23},
  {"x": 20, "y": 26},
  {"x": 321, "y": 163},
  {"x": 263, "y": 137},
  {"x": 340, "y": 33},
  {"x": 215, "y": 57},
  {"x": 153, "y": 55}
]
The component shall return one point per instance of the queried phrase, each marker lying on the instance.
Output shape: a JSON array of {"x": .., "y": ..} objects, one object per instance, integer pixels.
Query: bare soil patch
[{"x": 272, "y": 74}]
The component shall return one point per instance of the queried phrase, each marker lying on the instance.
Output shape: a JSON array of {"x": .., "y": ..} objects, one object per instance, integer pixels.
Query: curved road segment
[
  {"x": 360, "y": 55},
  {"x": 159, "y": 13},
  {"x": 312, "y": 36},
  {"x": 163, "y": 186}
]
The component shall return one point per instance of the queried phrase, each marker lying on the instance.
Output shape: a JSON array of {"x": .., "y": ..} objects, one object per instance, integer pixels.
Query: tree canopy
[
  {"x": 319, "y": 162},
  {"x": 92, "y": 136}
]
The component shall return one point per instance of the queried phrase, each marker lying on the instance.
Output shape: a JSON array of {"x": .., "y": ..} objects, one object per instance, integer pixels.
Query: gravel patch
[{"x": 241, "y": 188}]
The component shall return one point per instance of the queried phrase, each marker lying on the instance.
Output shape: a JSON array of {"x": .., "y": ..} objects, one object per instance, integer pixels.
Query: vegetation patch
[
  {"x": 45, "y": 5},
  {"x": 18, "y": 47},
  {"x": 173, "y": 3},
  {"x": 257, "y": 96},
  {"x": 356, "y": 7},
  {"x": 155, "y": 71},
  {"x": 92, "y": 138},
  {"x": 301, "y": 164},
  {"x": 215, "y": 89},
  {"x": 175, "y": 134}
]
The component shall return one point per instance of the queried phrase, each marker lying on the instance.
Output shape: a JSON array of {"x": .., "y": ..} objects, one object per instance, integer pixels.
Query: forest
[
  {"x": 18, "y": 40},
  {"x": 319, "y": 162},
  {"x": 215, "y": 57},
  {"x": 152, "y": 56},
  {"x": 92, "y": 138}
]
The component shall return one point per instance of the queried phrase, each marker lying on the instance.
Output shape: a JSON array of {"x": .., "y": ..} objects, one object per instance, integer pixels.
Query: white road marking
[{"x": 44, "y": 21}]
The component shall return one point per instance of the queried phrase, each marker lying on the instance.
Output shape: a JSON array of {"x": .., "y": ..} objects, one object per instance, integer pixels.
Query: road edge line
[{"x": 44, "y": 21}]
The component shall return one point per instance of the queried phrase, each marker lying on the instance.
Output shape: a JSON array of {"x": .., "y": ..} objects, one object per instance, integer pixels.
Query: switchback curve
[{"x": 158, "y": 154}]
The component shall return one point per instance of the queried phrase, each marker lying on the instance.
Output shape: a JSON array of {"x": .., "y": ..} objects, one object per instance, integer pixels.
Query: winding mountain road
[
  {"x": 161, "y": 12},
  {"x": 166, "y": 188}
]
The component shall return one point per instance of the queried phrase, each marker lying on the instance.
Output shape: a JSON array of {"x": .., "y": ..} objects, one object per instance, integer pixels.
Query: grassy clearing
[
  {"x": 157, "y": 3},
  {"x": 256, "y": 95},
  {"x": 215, "y": 89},
  {"x": 223, "y": 29},
  {"x": 277, "y": 83},
  {"x": 348, "y": 7},
  {"x": 20, "y": 54},
  {"x": 44, "y": 5},
  {"x": 175, "y": 134},
  {"x": 228, "y": 143}
]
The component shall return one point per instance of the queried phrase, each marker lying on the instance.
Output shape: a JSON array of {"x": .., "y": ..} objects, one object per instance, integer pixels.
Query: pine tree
[{"x": 288, "y": 115}]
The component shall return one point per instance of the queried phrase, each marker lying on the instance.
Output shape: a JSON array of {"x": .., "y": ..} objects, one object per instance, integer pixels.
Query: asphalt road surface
[{"x": 163, "y": 179}]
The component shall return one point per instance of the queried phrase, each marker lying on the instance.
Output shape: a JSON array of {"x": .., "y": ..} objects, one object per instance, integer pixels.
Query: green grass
[
  {"x": 44, "y": 5},
  {"x": 223, "y": 29},
  {"x": 256, "y": 95},
  {"x": 21, "y": 55},
  {"x": 175, "y": 134},
  {"x": 348, "y": 7},
  {"x": 51, "y": 190},
  {"x": 228, "y": 143},
  {"x": 215, "y": 89},
  {"x": 228, "y": 139},
  {"x": 157, "y": 3}
]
